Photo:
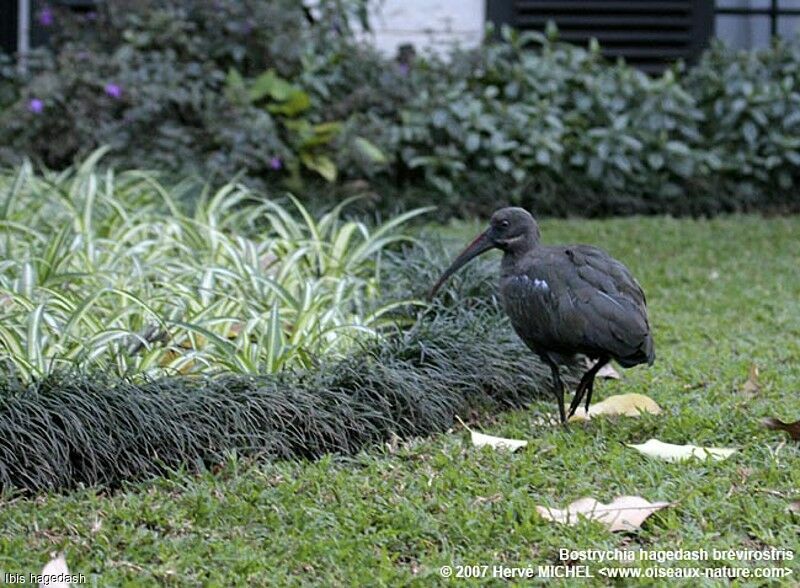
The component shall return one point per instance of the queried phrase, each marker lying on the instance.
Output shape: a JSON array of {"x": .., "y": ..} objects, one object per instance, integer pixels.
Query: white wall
[{"x": 427, "y": 24}]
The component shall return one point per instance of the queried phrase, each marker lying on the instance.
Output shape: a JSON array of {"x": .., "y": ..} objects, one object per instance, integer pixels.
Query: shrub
[
  {"x": 751, "y": 122},
  {"x": 151, "y": 80},
  {"x": 105, "y": 269},
  {"x": 70, "y": 429},
  {"x": 533, "y": 119},
  {"x": 219, "y": 88},
  {"x": 558, "y": 129}
]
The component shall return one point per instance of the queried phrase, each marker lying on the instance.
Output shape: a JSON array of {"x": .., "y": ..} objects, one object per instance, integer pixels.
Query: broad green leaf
[
  {"x": 322, "y": 164},
  {"x": 369, "y": 150}
]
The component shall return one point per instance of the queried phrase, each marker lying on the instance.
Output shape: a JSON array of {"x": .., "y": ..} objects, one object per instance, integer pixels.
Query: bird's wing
[
  {"x": 605, "y": 273},
  {"x": 602, "y": 296}
]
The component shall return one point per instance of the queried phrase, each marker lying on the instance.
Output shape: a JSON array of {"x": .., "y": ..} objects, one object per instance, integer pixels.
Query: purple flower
[
  {"x": 90, "y": 16},
  {"x": 36, "y": 105},
  {"x": 275, "y": 163},
  {"x": 45, "y": 16},
  {"x": 114, "y": 91}
]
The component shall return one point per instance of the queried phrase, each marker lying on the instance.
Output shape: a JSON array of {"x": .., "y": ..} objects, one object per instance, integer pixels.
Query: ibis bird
[{"x": 564, "y": 300}]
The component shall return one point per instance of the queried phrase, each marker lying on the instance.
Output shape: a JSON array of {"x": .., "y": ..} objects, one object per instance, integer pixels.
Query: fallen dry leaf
[
  {"x": 794, "y": 506},
  {"x": 608, "y": 372},
  {"x": 621, "y": 404},
  {"x": 751, "y": 387},
  {"x": 624, "y": 513},
  {"x": 481, "y": 440},
  {"x": 55, "y": 567},
  {"x": 670, "y": 452},
  {"x": 792, "y": 428}
]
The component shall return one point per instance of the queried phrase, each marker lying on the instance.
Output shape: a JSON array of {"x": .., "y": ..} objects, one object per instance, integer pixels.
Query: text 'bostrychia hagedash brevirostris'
[{"x": 564, "y": 300}]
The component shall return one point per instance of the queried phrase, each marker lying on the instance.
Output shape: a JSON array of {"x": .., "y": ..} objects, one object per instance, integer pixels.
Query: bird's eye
[{"x": 504, "y": 224}]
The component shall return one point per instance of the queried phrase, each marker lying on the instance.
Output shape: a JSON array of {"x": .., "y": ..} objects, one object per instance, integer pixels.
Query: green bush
[
  {"x": 751, "y": 118},
  {"x": 558, "y": 129},
  {"x": 538, "y": 121},
  {"x": 105, "y": 271},
  {"x": 152, "y": 79},
  {"x": 223, "y": 87}
]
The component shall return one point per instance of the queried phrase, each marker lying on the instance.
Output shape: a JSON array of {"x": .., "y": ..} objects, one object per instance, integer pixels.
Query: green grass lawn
[{"x": 723, "y": 295}]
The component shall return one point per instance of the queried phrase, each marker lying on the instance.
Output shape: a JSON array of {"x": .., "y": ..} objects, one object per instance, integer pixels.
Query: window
[
  {"x": 650, "y": 34},
  {"x": 750, "y": 24}
]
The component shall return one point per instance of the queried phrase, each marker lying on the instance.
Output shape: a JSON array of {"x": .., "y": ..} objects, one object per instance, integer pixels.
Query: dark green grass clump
[{"x": 74, "y": 429}]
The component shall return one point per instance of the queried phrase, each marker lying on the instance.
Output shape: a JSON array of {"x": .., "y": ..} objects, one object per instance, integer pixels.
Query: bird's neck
[
  {"x": 521, "y": 245},
  {"x": 514, "y": 254}
]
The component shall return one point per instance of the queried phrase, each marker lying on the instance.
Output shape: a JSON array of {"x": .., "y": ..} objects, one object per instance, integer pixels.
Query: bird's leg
[
  {"x": 587, "y": 385},
  {"x": 589, "y": 391},
  {"x": 559, "y": 387},
  {"x": 579, "y": 392},
  {"x": 603, "y": 360}
]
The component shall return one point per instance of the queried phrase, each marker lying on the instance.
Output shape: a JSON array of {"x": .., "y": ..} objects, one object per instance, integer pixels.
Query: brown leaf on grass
[
  {"x": 794, "y": 506},
  {"x": 624, "y": 513},
  {"x": 777, "y": 425},
  {"x": 751, "y": 387}
]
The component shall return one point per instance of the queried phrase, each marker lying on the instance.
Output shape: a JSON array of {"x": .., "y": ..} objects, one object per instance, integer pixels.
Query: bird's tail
[{"x": 646, "y": 353}]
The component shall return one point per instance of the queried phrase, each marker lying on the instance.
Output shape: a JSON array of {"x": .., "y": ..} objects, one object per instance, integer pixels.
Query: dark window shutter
[
  {"x": 649, "y": 34},
  {"x": 8, "y": 26}
]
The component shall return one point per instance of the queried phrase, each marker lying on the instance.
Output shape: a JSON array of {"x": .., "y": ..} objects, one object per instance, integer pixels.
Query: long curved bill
[{"x": 481, "y": 244}]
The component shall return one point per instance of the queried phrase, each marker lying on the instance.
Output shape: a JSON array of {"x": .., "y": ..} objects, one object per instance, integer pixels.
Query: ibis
[{"x": 564, "y": 300}]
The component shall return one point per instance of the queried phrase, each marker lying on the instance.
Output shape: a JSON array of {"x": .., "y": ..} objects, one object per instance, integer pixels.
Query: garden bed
[{"x": 141, "y": 334}]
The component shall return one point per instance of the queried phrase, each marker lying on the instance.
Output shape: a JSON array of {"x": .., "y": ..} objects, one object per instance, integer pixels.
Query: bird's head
[{"x": 512, "y": 230}]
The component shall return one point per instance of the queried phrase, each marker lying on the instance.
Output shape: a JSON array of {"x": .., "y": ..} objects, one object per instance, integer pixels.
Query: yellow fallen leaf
[
  {"x": 624, "y": 513},
  {"x": 620, "y": 404},
  {"x": 670, "y": 452}
]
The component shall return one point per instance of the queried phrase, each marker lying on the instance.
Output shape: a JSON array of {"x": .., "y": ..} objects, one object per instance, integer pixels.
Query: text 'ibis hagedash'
[{"x": 564, "y": 300}]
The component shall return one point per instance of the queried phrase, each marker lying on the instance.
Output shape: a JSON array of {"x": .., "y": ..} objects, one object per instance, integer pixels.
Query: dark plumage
[{"x": 565, "y": 300}]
